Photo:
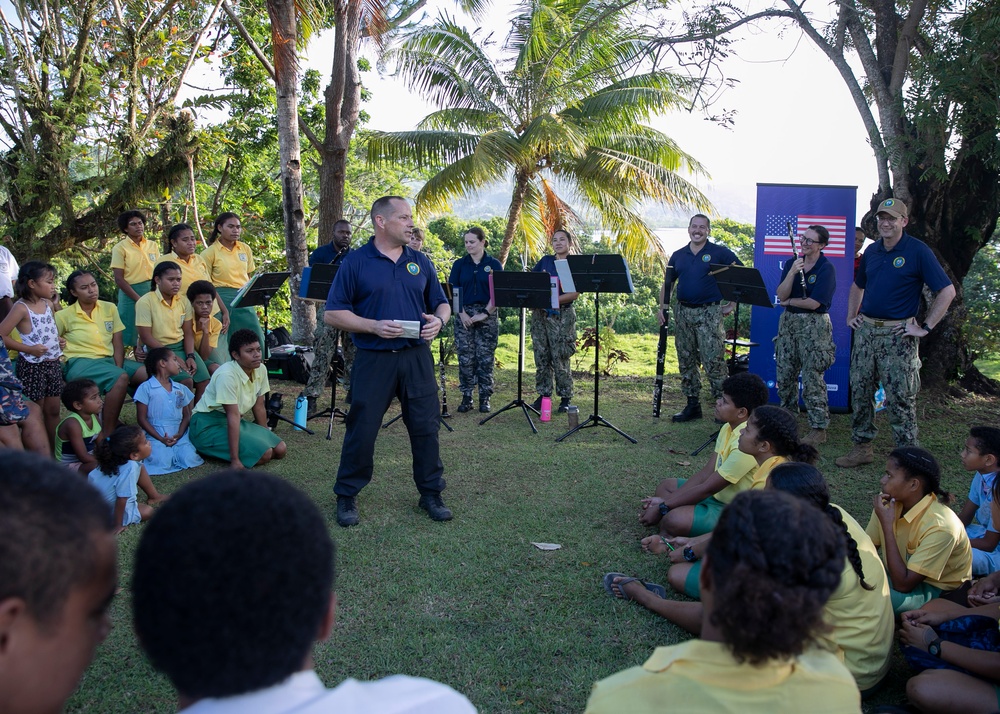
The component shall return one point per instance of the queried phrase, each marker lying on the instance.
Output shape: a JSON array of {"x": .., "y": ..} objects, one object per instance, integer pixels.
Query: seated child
[
  {"x": 204, "y": 298},
  {"x": 57, "y": 580},
  {"x": 76, "y": 435},
  {"x": 21, "y": 423},
  {"x": 692, "y": 506},
  {"x": 981, "y": 453},
  {"x": 120, "y": 471},
  {"x": 923, "y": 545},
  {"x": 779, "y": 564},
  {"x": 218, "y": 428},
  {"x": 163, "y": 409}
]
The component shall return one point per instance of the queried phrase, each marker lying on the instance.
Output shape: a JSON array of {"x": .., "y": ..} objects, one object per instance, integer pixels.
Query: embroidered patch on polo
[
  {"x": 899, "y": 262},
  {"x": 413, "y": 268}
]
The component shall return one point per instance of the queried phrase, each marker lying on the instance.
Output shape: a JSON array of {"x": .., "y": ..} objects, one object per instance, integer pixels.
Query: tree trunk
[
  {"x": 283, "y": 34},
  {"x": 513, "y": 215}
]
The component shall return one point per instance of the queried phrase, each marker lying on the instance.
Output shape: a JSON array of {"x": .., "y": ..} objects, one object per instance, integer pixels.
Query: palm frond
[{"x": 425, "y": 148}]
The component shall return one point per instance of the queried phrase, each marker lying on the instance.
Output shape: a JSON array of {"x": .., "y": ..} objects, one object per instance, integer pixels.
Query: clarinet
[
  {"x": 802, "y": 273},
  {"x": 444, "y": 388}
]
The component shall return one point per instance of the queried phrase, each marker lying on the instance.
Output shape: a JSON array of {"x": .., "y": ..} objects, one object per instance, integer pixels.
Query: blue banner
[{"x": 834, "y": 208}]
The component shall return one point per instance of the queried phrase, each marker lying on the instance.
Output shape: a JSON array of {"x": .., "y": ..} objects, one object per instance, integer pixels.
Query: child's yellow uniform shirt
[
  {"x": 229, "y": 268},
  {"x": 231, "y": 385},
  {"x": 932, "y": 541},
  {"x": 89, "y": 336},
  {"x": 861, "y": 621},
  {"x": 699, "y": 677},
  {"x": 136, "y": 260},
  {"x": 732, "y": 464},
  {"x": 759, "y": 478},
  {"x": 164, "y": 317},
  {"x": 192, "y": 269},
  {"x": 214, "y": 330}
]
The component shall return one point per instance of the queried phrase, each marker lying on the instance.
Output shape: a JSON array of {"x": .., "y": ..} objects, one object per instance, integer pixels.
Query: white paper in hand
[{"x": 411, "y": 328}]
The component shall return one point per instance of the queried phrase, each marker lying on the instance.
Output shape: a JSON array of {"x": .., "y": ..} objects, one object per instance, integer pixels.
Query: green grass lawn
[{"x": 471, "y": 602}]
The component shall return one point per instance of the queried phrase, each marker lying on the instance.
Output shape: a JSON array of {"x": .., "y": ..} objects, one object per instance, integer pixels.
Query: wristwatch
[
  {"x": 925, "y": 326},
  {"x": 190, "y": 355},
  {"x": 934, "y": 648},
  {"x": 689, "y": 555},
  {"x": 664, "y": 508}
]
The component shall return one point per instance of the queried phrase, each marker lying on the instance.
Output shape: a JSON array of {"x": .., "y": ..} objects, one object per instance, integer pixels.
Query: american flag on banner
[{"x": 776, "y": 234}]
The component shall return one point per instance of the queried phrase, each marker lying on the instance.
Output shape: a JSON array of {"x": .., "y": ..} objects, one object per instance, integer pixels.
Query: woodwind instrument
[
  {"x": 444, "y": 387},
  {"x": 802, "y": 273}
]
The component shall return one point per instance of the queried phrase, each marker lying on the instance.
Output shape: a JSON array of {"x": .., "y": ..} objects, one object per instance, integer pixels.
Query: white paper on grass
[
  {"x": 546, "y": 546},
  {"x": 565, "y": 276}
]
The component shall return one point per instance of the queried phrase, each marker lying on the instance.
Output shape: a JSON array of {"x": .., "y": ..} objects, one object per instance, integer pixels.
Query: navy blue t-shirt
[
  {"x": 372, "y": 286},
  {"x": 473, "y": 280},
  {"x": 325, "y": 255},
  {"x": 694, "y": 284},
  {"x": 892, "y": 280},
  {"x": 821, "y": 283}
]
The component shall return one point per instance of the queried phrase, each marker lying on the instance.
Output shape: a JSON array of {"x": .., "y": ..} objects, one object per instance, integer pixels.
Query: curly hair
[
  {"x": 201, "y": 287},
  {"x": 240, "y": 339},
  {"x": 805, "y": 481},
  {"x": 773, "y": 555},
  {"x": 920, "y": 464},
  {"x": 75, "y": 391},
  {"x": 747, "y": 390},
  {"x": 116, "y": 450},
  {"x": 125, "y": 218},
  {"x": 778, "y": 427}
]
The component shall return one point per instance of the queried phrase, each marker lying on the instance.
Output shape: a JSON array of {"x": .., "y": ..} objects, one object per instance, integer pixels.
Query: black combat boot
[
  {"x": 466, "y": 404},
  {"x": 690, "y": 412}
]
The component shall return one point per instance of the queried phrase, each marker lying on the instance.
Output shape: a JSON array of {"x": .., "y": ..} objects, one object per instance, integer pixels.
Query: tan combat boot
[
  {"x": 860, "y": 454},
  {"x": 815, "y": 437}
]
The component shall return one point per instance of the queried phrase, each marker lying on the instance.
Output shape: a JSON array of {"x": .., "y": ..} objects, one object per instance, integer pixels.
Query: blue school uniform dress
[
  {"x": 165, "y": 411},
  {"x": 981, "y": 494},
  {"x": 123, "y": 485}
]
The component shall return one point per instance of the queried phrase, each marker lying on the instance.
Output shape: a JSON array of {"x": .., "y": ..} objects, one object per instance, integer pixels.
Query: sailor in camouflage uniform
[
  {"x": 805, "y": 334},
  {"x": 553, "y": 332}
]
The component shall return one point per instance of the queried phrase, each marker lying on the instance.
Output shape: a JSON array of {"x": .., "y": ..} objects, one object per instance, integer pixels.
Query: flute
[{"x": 802, "y": 273}]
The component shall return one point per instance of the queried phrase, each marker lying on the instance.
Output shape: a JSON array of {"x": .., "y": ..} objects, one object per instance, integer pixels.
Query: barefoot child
[
  {"x": 38, "y": 366},
  {"x": 120, "y": 471},
  {"x": 981, "y": 453},
  {"x": 76, "y": 435},
  {"x": 163, "y": 409},
  {"x": 203, "y": 298},
  {"x": 923, "y": 545},
  {"x": 692, "y": 506}
]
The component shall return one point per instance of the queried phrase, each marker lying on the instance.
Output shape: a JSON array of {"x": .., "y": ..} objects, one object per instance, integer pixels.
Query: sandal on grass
[{"x": 609, "y": 580}]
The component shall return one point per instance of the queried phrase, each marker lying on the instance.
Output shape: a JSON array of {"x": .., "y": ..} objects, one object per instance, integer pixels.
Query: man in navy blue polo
[
  {"x": 882, "y": 309},
  {"x": 698, "y": 334},
  {"x": 382, "y": 289}
]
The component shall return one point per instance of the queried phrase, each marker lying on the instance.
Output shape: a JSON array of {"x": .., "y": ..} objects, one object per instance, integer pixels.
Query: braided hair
[
  {"x": 778, "y": 427},
  {"x": 770, "y": 553},
  {"x": 920, "y": 464},
  {"x": 806, "y": 482}
]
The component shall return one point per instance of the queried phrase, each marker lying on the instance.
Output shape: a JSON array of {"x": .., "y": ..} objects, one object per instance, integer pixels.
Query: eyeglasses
[{"x": 807, "y": 241}]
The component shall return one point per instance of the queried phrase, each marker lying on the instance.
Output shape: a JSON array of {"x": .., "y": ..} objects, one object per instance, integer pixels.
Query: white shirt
[
  {"x": 304, "y": 693},
  {"x": 8, "y": 272}
]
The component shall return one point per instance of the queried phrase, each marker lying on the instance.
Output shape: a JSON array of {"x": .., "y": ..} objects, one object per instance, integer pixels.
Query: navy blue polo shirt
[
  {"x": 325, "y": 254},
  {"x": 694, "y": 284},
  {"x": 821, "y": 283},
  {"x": 474, "y": 280},
  {"x": 892, "y": 280},
  {"x": 372, "y": 286}
]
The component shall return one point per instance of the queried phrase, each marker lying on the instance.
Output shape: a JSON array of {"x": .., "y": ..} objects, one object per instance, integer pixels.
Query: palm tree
[{"x": 560, "y": 115}]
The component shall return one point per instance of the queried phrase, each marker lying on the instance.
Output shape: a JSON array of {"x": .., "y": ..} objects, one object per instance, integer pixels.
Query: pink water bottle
[{"x": 546, "y": 409}]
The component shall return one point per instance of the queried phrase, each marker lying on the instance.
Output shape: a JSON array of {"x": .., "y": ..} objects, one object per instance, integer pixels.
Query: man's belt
[
  {"x": 699, "y": 304},
  {"x": 884, "y": 323}
]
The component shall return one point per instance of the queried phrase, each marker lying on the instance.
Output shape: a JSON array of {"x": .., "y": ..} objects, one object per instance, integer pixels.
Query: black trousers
[{"x": 377, "y": 377}]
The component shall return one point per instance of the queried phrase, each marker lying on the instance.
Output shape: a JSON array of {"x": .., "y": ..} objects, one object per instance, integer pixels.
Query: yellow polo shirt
[
  {"x": 231, "y": 385},
  {"x": 192, "y": 269},
  {"x": 759, "y": 478},
  {"x": 932, "y": 541},
  {"x": 229, "y": 268},
  {"x": 732, "y": 464},
  {"x": 699, "y": 677},
  {"x": 862, "y": 620},
  {"x": 90, "y": 335},
  {"x": 214, "y": 330},
  {"x": 137, "y": 260},
  {"x": 164, "y": 317}
]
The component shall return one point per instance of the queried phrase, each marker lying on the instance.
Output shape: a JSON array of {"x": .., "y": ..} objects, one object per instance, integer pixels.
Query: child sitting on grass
[
  {"x": 163, "y": 409},
  {"x": 120, "y": 471},
  {"x": 692, "y": 506},
  {"x": 981, "y": 454},
  {"x": 76, "y": 435}
]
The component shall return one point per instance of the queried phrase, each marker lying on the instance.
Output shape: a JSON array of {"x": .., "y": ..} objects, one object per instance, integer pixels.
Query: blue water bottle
[{"x": 301, "y": 410}]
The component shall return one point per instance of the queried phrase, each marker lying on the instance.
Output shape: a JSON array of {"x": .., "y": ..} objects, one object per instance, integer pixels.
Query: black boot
[
  {"x": 564, "y": 405},
  {"x": 690, "y": 412},
  {"x": 484, "y": 404},
  {"x": 466, "y": 404}
]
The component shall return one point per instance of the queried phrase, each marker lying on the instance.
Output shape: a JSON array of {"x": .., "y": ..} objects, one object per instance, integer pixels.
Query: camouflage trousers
[
  {"x": 699, "y": 340},
  {"x": 881, "y": 354},
  {"x": 475, "y": 348},
  {"x": 553, "y": 340},
  {"x": 324, "y": 352},
  {"x": 805, "y": 344}
]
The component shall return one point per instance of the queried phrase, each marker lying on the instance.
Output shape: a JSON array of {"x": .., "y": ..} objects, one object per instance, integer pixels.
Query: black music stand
[
  {"x": 259, "y": 291},
  {"x": 741, "y": 285},
  {"x": 599, "y": 274},
  {"x": 317, "y": 290},
  {"x": 521, "y": 290}
]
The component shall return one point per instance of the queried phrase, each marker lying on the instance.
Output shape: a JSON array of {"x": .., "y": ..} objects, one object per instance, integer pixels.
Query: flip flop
[{"x": 609, "y": 580}]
